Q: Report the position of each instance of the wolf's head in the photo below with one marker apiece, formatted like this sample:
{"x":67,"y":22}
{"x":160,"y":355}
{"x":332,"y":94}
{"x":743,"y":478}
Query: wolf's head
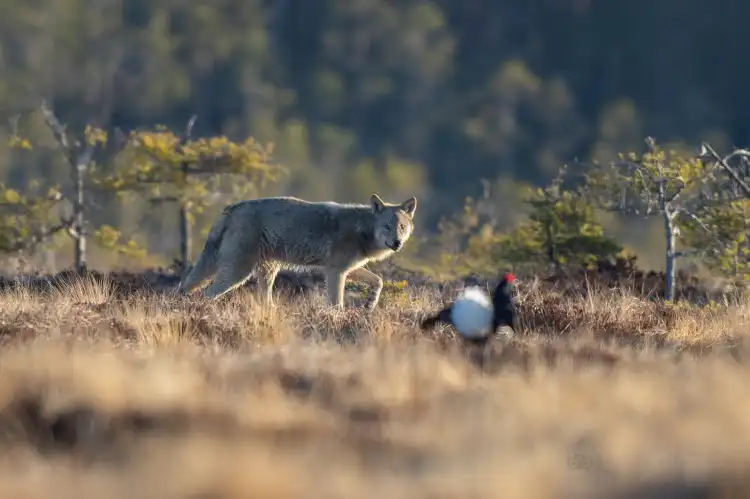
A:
{"x":393,"y":222}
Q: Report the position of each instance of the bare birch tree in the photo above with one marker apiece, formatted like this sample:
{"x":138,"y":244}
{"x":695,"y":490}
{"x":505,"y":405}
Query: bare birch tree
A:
{"x":671,"y":185}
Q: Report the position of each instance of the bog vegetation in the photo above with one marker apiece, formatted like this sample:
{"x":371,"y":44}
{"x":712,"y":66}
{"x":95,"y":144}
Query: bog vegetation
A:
{"x":521,"y":128}
{"x":425,"y":96}
{"x":701,"y":198}
{"x":106,"y":390}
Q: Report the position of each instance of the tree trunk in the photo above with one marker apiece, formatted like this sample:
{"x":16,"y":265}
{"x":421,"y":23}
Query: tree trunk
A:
{"x":185,"y":235}
{"x":669,"y":234}
{"x":551,"y":249}
{"x":80,"y":239}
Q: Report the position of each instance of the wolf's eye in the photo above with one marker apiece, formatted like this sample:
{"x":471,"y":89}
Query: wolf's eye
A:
{"x":401,"y":226}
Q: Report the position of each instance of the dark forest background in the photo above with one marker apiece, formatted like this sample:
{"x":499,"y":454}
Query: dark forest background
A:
{"x":399,"y":97}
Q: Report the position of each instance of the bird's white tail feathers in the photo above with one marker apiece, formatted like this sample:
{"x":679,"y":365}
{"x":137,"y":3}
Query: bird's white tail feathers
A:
{"x":472,"y":313}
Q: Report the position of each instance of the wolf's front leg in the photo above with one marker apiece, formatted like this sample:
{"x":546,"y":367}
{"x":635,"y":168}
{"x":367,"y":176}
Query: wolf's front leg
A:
{"x":335,"y":280}
{"x":375,"y":282}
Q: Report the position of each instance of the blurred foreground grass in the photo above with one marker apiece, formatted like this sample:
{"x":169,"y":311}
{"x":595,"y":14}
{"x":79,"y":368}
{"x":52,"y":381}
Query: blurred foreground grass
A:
{"x":153,"y":396}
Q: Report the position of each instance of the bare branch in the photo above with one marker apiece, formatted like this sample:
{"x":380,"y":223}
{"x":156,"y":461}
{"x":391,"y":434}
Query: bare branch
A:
{"x":121,"y":138}
{"x":164,"y":199}
{"x":210,"y":167}
{"x":707,"y":152}
{"x":13,"y":121}
{"x":635,"y":166}
{"x":627,"y":210}
{"x":57,"y":128}
{"x":699,"y":182}
{"x":81,"y":161}
{"x":30,"y":243}
{"x":84,"y":159}
{"x":692,"y":252}
{"x":201,"y":164}
{"x":702,"y":204}
{"x":186,"y":136}
{"x":142,"y":179}
{"x":189,"y":128}
{"x":693,"y":216}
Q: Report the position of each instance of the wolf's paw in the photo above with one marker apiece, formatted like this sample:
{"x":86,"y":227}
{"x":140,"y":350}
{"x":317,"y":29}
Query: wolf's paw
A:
{"x":370,"y":305}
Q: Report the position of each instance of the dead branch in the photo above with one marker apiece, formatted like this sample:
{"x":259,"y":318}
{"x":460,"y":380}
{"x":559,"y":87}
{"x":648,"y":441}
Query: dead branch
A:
{"x":692,"y":252}
{"x":164,"y":199}
{"x":78,"y":161}
{"x":58,"y":130}
{"x":189,"y":128}
{"x":30,"y":243}
{"x":708,"y":153}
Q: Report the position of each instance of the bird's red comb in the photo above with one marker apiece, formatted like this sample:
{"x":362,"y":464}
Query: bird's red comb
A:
{"x":509,"y":277}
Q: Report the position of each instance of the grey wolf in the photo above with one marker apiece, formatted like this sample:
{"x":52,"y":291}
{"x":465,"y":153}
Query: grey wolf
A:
{"x":268,"y":234}
{"x":474,"y":316}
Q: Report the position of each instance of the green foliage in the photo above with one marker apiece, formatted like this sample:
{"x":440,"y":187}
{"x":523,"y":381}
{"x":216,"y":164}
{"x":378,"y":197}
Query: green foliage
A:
{"x":461,"y":245}
{"x":109,"y":238}
{"x":722,"y":231}
{"x":17,"y":142}
{"x":395,"y":292}
{"x":649,"y":183}
{"x":95,"y":136}
{"x":158,"y":163}
{"x":561,"y":231}
{"x":696,"y":209}
{"x":438,"y":84}
{"x":25,"y":218}
{"x":189,"y":172}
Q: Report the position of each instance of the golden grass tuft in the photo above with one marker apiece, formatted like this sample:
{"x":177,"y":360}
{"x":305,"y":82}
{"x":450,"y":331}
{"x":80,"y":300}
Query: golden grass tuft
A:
{"x":603,"y":394}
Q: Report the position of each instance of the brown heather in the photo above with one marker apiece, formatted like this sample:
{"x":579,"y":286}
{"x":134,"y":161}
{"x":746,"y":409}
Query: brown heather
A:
{"x":152,"y":396}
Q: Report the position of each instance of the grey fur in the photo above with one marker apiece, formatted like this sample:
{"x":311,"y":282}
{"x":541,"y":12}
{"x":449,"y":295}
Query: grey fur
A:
{"x":266,"y":235}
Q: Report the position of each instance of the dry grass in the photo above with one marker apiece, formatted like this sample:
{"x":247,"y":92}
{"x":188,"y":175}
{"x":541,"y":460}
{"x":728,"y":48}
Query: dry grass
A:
{"x":164,"y":397}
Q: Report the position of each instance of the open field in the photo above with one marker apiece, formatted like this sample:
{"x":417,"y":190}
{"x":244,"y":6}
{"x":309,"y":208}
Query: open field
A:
{"x":148,"y":395}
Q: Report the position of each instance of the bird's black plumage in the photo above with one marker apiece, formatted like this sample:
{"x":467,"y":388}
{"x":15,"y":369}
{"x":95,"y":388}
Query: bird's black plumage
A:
{"x":504,"y":313}
{"x":443,"y":316}
{"x":504,"y":305}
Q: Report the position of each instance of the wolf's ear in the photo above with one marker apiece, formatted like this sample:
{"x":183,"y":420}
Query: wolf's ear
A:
{"x":377,"y":203}
{"x":410,"y":206}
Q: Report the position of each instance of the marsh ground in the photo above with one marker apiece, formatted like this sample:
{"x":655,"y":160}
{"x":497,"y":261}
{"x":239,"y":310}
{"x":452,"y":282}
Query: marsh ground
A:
{"x":153,"y":396}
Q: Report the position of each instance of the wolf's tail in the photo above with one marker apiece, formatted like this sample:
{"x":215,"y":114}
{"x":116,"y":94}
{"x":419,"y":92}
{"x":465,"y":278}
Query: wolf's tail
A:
{"x":206,"y":263}
{"x":213,"y":241}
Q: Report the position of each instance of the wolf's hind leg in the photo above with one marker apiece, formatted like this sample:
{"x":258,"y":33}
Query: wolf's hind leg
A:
{"x":234,"y":268}
{"x":228,"y":279}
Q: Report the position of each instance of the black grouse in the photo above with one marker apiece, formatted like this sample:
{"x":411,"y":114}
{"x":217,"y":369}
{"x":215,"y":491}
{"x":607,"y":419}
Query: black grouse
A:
{"x":503,"y":311}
